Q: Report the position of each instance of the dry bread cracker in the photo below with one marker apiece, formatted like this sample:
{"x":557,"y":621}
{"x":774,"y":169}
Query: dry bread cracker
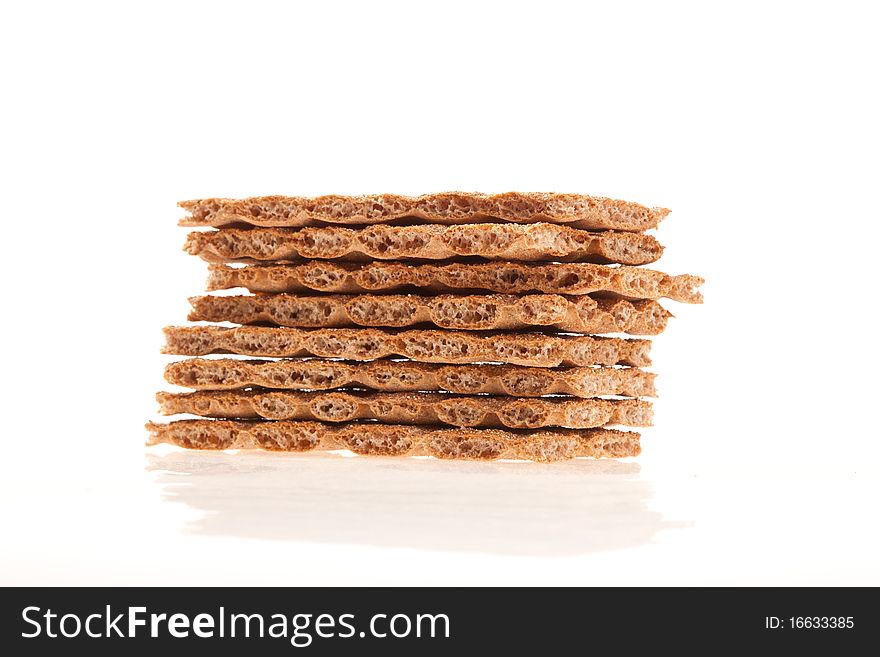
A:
{"x":330,"y":277}
{"x":578,"y":210}
{"x":397,"y":440}
{"x":410,"y":408}
{"x":401,"y":376}
{"x":580,"y":314}
{"x":532,"y":242}
{"x":500,"y":277}
{"x":427,"y":346}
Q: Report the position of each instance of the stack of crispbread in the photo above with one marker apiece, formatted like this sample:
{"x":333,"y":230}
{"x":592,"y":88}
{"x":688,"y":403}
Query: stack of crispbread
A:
{"x":453,"y":325}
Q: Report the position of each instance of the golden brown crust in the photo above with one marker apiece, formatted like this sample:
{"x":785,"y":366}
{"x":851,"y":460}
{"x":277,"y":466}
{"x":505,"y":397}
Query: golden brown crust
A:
{"x":425,"y":346}
{"x":499,"y":277}
{"x":395,"y":376}
{"x":578,"y":314}
{"x":532,"y":242}
{"x":410,"y":408}
{"x":330,"y":278}
{"x":582,"y":211}
{"x":397,"y":440}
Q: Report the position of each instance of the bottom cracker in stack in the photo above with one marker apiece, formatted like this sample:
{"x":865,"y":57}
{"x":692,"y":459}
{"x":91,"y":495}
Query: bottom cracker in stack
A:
{"x":397,"y":440}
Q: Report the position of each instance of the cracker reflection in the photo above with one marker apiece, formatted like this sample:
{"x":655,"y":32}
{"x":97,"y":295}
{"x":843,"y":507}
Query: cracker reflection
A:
{"x":566,"y":508}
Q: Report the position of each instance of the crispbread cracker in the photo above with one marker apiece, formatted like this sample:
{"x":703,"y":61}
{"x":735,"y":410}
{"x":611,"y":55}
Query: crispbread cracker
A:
{"x":500,"y":277}
{"x":445,"y":208}
{"x":455,"y":347}
{"x":532,"y":242}
{"x":397,"y":440}
{"x":580,"y":314}
{"x":410,"y":408}
{"x":402,"y":376}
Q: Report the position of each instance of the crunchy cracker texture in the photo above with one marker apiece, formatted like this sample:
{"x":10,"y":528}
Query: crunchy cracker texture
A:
{"x":397,"y":440}
{"x":500,"y":277}
{"x":532,"y":242}
{"x":453,"y":325}
{"x":579,"y":314}
{"x":454,"y":347}
{"x":393,"y":376}
{"x":410,"y":408}
{"x":593,"y":212}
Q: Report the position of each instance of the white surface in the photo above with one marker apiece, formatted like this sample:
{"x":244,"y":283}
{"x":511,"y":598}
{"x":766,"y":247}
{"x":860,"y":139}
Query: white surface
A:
{"x":757,"y":125}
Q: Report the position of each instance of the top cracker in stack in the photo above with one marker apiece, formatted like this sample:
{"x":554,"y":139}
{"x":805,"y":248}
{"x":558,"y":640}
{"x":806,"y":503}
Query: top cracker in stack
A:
{"x":446,"y":208}
{"x":480,"y":293}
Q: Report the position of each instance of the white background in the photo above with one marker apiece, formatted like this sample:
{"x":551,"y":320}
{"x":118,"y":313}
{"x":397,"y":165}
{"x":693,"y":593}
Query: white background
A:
{"x":757,"y":124}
